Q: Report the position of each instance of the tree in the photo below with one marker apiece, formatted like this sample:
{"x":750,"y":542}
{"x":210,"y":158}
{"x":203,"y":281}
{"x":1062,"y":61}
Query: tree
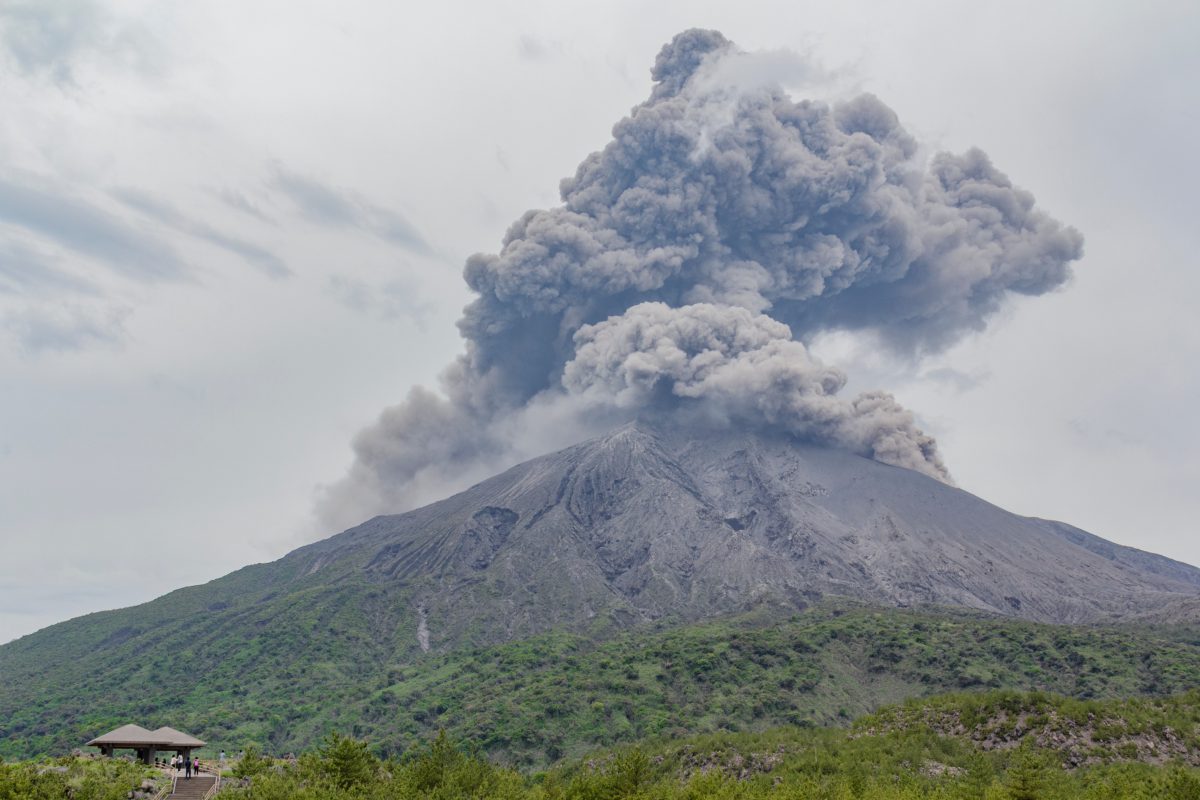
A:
{"x":978,"y":779}
{"x":431,"y":768}
{"x":251,"y":763}
{"x":1183,"y":784}
{"x":1027,"y":774}
{"x":347,"y":762}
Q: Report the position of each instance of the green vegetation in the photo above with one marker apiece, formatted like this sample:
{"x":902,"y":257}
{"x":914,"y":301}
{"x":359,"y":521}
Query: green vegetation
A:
{"x":969,"y":746}
{"x":891,"y":755}
{"x":75,"y":778}
{"x":280,"y":668}
{"x":1004,"y":717}
{"x":556,"y":696}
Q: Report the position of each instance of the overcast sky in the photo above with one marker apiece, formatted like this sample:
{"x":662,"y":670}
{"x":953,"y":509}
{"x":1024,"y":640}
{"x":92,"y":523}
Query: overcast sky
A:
{"x":231,"y":233}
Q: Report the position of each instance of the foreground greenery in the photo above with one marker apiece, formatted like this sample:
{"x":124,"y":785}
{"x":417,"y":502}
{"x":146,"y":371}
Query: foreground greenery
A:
{"x":981,"y":746}
{"x":535,"y":702}
{"x":75,"y":778}
{"x":986,"y":746}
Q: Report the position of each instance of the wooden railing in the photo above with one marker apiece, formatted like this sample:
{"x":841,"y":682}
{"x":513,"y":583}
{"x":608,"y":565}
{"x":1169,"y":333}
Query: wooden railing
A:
{"x":168,"y":789}
{"x":216,"y":787}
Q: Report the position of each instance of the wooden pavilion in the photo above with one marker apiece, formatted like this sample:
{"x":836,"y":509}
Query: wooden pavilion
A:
{"x":147,"y":744}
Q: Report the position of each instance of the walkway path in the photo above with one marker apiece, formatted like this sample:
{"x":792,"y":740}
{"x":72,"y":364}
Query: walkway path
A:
{"x":193,"y":788}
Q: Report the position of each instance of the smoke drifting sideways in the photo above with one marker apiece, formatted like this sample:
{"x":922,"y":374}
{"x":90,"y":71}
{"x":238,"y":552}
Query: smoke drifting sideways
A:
{"x":723,"y":226}
{"x":746,"y":369}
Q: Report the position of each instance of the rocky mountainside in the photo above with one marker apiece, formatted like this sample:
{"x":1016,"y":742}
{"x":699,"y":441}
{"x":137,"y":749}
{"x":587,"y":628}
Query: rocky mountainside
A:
{"x":651,"y":523}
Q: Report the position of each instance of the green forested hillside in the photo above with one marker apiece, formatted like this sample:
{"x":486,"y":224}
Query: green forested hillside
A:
{"x":978,"y":746}
{"x":554,"y":696}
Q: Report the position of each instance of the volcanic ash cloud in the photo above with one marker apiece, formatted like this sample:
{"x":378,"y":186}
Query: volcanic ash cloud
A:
{"x":723,"y":225}
{"x":747,"y":368}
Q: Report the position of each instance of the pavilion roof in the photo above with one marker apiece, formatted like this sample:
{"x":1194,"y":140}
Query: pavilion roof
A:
{"x":126,"y":734}
{"x":178,"y":737}
{"x":137,"y":736}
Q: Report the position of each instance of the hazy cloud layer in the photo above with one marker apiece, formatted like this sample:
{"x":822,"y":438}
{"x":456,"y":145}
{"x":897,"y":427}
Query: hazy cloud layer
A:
{"x":89,"y":230}
{"x":165,"y":213}
{"x":239,"y":201}
{"x":391,"y":300}
{"x":50,"y":38}
{"x":28,"y":273}
{"x":65,"y":327}
{"x":327,"y":206}
{"x":721,"y":194}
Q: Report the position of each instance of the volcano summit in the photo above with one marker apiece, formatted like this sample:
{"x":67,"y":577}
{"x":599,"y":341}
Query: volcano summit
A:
{"x":652,"y":522}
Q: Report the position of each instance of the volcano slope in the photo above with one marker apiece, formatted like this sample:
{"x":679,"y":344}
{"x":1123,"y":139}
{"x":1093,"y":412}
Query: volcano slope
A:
{"x":651,"y":522}
{"x":649,"y":525}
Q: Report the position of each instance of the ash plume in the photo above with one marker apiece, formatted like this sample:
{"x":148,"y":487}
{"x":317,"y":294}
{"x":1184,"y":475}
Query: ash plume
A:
{"x":745,"y":367}
{"x":722,"y":213}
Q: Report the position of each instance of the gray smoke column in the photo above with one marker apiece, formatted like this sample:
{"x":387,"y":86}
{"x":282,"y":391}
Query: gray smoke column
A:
{"x":719,"y":200}
{"x":745,"y":367}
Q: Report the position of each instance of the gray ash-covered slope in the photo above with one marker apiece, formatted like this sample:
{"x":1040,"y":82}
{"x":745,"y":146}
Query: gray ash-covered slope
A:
{"x":652,"y":523}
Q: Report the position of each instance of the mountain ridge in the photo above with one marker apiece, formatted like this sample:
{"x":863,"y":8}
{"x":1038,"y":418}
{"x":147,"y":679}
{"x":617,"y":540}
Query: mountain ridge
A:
{"x":589,"y":485}
{"x":651,"y":525}
{"x":735,"y":520}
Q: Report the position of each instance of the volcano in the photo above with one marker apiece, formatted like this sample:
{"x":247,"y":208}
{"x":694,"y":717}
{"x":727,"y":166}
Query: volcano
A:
{"x":654,"y":522}
{"x":651,"y":527}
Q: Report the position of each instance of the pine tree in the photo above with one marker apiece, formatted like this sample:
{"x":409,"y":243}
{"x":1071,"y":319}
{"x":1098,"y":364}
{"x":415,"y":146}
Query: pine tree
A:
{"x":1027,"y":774}
{"x":347,"y":762}
{"x":1183,"y":784}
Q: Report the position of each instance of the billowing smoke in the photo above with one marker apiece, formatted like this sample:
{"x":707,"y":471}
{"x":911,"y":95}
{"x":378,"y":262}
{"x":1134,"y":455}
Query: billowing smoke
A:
{"x":721,"y":221}
{"x":745,"y":367}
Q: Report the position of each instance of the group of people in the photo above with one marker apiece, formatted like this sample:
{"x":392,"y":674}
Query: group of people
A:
{"x":186,"y":765}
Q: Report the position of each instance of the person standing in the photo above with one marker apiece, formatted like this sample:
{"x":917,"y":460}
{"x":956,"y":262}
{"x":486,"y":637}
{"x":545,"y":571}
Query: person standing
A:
{"x":187,"y":767}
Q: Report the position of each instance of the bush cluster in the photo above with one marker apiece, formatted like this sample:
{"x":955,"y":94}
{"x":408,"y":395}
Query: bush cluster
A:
{"x":73,"y":778}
